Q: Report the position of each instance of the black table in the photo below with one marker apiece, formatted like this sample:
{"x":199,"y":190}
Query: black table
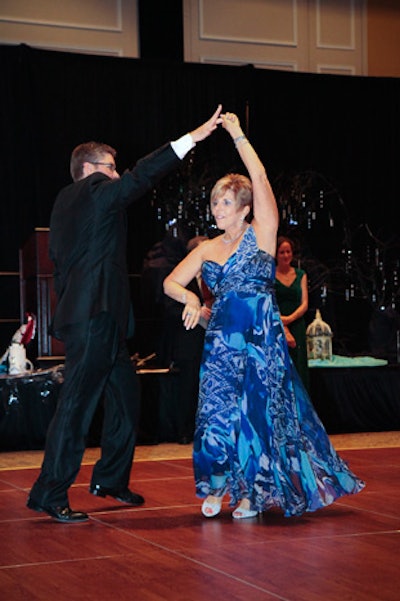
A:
{"x":357,"y":399}
{"x":28,"y":402}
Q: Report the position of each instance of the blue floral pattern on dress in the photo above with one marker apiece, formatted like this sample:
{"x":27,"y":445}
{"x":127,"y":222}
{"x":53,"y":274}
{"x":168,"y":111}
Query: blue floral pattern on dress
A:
{"x":257,"y":433}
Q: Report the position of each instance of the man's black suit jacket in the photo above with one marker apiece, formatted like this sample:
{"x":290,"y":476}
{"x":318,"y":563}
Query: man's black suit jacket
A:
{"x":88,"y":242}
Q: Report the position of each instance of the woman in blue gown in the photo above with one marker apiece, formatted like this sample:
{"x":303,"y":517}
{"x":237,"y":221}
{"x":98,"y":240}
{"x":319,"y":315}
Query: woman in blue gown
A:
{"x":258,"y":438}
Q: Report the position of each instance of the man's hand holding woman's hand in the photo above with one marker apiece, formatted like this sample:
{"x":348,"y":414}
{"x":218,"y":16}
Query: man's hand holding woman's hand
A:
{"x":208,"y":127}
{"x":229,"y":121}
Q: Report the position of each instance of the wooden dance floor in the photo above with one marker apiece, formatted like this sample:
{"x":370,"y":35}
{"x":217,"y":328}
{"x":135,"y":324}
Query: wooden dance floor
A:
{"x":166,"y":550}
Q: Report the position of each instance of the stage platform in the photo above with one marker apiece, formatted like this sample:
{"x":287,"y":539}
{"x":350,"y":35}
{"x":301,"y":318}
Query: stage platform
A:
{"x":347,"y":399}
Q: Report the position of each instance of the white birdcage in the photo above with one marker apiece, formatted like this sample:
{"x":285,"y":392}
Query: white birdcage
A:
{"x":319,"y":339}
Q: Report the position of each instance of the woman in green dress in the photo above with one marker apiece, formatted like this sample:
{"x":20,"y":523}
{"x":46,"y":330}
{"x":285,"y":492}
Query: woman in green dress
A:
{"x":291,"y":288}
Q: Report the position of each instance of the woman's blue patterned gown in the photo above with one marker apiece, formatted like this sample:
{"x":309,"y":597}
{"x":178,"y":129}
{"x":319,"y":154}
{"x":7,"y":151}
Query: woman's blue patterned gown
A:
{"x":257,"y":433}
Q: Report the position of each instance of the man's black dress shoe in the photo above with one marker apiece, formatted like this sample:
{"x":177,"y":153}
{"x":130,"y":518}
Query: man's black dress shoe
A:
{"x":124,"y":495}
{"x":61,"y":514}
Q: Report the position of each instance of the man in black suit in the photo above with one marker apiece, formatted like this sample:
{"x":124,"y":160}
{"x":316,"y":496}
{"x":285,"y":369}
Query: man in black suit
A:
{"x":93,"y":318}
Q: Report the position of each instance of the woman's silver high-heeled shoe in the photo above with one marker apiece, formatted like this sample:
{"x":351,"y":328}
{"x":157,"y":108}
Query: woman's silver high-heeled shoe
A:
{"x":209,"y":510}
{"x":240,"y":514}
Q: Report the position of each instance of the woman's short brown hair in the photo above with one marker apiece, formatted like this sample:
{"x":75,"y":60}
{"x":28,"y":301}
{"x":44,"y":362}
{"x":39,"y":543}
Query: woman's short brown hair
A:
{"x":240,"y":185}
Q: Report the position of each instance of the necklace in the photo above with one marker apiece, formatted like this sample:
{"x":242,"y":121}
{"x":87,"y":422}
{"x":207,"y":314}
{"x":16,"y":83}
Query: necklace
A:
{"x":236,"y":237}
{"x":286,"y":277}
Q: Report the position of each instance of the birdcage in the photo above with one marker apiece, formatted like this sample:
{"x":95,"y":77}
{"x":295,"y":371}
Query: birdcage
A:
{"x":319,"y":339}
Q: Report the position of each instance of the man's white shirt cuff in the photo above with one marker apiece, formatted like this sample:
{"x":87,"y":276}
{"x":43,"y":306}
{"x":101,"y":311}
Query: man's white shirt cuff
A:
{"x":182,"y":146}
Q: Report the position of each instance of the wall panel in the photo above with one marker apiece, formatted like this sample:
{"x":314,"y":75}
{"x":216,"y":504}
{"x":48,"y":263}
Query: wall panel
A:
{"x":337,"y":37}
{"x":106,"y":27}
{"x":325,"y":36}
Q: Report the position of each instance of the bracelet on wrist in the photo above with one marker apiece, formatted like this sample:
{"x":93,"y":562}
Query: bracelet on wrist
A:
{"x":240,"y":140}
{"x":184,"y":298}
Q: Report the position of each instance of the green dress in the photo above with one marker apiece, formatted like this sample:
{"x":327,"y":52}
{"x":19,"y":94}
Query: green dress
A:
{"x":288,"y":299}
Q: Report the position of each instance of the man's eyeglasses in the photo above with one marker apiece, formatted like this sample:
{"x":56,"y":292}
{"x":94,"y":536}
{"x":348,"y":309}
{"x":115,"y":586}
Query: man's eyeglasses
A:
{"x":110,"y":166}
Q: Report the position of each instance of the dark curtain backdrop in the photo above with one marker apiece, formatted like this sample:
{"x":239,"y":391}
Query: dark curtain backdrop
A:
{"x":346,"y":128}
